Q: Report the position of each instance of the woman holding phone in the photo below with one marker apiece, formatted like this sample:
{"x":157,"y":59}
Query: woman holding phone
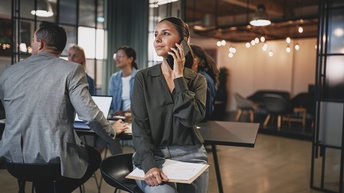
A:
{"x":166,"y":106}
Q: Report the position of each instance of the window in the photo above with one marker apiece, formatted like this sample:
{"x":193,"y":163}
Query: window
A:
{"x":83,"y":21}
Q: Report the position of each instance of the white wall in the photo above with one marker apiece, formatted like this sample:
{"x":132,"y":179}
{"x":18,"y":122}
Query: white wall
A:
{"x":252,"y":69}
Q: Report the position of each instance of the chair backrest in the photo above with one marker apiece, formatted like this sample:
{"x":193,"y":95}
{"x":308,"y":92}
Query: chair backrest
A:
{"x":276,"y":104}
{"x":115,"y":168}
{"x":305,"y":100}
{"x":243,"y":103}
{"x":34,"y":172}
{"x":258,"y":96}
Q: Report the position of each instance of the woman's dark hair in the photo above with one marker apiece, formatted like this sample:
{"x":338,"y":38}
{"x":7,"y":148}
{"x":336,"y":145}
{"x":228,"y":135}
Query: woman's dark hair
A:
{"x":130,"y":52}
{"x":206,"y":63}
{"x":183,"y":31}
{"x":53,"y":35}
{"x":181,"y":26}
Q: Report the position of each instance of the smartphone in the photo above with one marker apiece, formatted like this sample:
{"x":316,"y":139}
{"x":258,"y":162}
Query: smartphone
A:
{"x":186,"y":49}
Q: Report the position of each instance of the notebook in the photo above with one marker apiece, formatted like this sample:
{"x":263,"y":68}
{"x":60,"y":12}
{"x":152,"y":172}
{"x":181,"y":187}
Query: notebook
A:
{"x":103,"y":103}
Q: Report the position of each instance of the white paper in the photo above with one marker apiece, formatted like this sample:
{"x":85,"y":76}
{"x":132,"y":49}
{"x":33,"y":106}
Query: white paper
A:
{"x":175,"y":170}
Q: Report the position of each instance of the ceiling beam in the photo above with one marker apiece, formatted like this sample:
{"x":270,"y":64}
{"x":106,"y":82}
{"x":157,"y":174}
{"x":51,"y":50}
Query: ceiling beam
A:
{"x":272,"y":9}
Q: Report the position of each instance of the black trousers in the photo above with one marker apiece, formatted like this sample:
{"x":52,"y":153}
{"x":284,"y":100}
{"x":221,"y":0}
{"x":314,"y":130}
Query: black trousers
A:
{"x":66,"y":185}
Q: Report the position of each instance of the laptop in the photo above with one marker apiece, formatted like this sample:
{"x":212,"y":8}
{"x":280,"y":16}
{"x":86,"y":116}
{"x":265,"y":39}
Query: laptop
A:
{"x":103,"y":103}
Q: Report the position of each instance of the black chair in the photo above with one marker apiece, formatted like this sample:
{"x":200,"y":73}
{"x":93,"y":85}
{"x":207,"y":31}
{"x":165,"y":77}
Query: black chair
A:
{"x":115,"y":168}
{"x":278,"y":106}
{"x":244,"y":105}
{"x":35,"y":173}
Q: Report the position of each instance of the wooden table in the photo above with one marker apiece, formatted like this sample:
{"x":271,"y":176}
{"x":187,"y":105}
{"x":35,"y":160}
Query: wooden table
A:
{"x":230,"y":134}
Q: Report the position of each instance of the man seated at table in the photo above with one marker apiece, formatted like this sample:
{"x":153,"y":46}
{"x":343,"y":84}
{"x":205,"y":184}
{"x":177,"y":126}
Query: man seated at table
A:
{"x":40,"y":95}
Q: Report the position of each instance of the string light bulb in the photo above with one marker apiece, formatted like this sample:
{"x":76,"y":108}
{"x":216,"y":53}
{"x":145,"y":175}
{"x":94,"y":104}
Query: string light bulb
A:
{"x":297,"y":46}
{"x":288,"y":40}
{"x":262,"y":39}
{"x":287,"y":49}
{"x":300,"y":29}
{"x":256,"y":40}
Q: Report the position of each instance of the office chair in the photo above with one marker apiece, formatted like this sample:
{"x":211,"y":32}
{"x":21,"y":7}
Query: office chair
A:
{"x":46,"y":173}
{"x":115,"y":168}
{"x":244,"y":105}
{"x":278,"y":106}
{"x":305,"y":104}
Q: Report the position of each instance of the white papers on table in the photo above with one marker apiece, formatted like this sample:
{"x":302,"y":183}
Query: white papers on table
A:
{"x":176,"y":171}
{"x":129,"y":130}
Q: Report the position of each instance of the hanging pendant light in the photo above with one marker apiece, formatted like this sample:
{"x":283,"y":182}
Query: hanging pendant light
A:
{"x":43,"y":9}
{"x":260,"y":17}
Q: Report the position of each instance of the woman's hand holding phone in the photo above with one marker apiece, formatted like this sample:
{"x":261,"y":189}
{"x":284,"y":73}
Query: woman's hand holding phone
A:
{"x":176,"y":59}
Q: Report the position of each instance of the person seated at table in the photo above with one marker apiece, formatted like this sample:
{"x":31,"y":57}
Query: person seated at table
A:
{"x":121,"y":83}
{"x":166,"y":106}
{"x":41,"y":95}
{"x":205,"y":65}
{"x":77,"y":54}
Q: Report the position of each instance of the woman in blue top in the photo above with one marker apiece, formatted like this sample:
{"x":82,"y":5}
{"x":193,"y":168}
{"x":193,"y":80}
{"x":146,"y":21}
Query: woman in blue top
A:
{"x":206,"y":66}
{"x":122,"y":82}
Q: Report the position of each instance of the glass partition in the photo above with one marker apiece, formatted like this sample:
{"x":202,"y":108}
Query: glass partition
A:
{"x":68,"y":12}
{"x":78,"y":18}
{"x":158,"y":11}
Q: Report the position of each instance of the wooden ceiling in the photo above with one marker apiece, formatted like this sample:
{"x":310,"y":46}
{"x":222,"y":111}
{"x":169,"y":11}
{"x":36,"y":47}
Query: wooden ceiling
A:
{"x":229,"y":19}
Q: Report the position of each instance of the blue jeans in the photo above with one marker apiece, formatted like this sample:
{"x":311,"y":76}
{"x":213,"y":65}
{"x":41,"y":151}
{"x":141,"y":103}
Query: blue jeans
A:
{"x":193,"y":154}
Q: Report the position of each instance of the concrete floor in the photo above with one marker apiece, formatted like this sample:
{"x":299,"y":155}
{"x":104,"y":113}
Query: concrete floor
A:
{"x":274,"y":165}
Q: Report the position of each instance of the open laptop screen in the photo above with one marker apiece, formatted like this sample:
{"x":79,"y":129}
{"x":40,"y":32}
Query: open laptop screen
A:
{"x":103,"y":103}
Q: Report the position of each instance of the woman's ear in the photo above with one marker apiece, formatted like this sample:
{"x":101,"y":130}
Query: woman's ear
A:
{"x":131,"y":59}
{"x":187,"y":40}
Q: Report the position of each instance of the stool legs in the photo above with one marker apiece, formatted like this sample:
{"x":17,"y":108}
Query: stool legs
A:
{"x":21,"y":185}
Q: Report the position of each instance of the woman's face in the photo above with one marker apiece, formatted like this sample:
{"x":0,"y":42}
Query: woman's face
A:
{"x":166,"y":35}
{"x":76,"y":56}
{"x":122,"y":59}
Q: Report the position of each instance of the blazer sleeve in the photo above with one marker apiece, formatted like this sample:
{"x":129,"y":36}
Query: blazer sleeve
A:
{"x":86,"y":108}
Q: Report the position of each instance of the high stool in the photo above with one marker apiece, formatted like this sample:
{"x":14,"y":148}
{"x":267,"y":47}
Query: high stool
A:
{"x":115,"y":168}
{"x":35,"y":173}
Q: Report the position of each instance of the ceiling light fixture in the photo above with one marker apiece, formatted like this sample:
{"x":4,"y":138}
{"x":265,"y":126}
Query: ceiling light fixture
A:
{"x":221,"y":43}
{"x":157,"y":3}
{"x":288,"y":49}
{"x":262,"y":39}
{"x":300,"y":29}
{"x":288,"y":40}
{"x":297,"y":46}
{"x":260,"y":17}
{"x":43,"y":9}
